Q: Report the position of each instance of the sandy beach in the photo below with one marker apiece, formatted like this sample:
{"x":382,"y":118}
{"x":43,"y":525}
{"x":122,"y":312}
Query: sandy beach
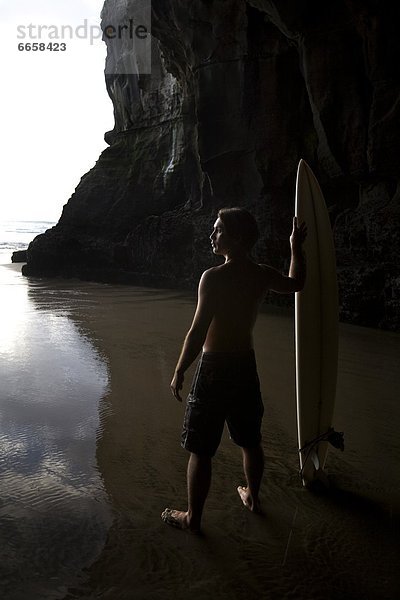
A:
{"x":340,"y":544}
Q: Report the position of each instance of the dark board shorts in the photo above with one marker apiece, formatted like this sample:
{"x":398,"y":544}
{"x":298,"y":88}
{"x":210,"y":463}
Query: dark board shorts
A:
{"x":225,"y":388}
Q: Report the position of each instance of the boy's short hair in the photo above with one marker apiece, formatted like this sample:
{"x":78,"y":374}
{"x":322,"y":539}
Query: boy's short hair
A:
{"x":240,"y":225}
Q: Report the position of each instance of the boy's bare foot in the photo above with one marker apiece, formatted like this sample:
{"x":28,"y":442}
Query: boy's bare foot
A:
{"x":245,"y":496}
{"x":179,"y":519}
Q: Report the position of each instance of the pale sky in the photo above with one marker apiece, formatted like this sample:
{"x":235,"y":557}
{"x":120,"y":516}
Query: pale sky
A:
{"x":54,"y":107}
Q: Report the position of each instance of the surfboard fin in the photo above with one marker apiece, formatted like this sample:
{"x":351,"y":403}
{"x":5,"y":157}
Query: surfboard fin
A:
{"x":315,"y":459}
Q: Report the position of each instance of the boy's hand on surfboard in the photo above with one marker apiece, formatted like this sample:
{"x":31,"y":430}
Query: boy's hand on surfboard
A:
{"x":177,"y":385}
{"x":298,"y":235}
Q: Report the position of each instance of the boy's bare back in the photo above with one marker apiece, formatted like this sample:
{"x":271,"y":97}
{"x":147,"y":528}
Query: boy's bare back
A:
{"x":237,"y":290}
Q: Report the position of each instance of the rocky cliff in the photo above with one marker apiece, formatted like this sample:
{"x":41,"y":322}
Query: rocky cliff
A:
{"x":238,"y":93}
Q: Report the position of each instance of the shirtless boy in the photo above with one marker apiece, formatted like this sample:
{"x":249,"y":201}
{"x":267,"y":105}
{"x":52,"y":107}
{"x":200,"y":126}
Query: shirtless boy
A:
{"x":225,"y":387}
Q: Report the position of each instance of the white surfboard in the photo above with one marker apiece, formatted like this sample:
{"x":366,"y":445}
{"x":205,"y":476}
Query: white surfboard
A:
{"x":316,"y":328}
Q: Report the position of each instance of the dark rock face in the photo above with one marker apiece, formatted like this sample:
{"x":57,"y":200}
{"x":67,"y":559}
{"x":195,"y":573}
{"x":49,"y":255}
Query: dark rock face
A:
{"x":239,"y":92}
{"x":19,"y":256}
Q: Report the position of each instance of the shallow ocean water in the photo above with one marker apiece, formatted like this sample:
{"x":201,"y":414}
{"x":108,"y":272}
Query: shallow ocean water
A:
{"x":90,"y":456}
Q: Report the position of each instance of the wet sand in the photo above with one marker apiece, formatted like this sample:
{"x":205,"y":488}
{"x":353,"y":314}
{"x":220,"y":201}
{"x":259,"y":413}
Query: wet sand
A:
{"x":340,"y":544}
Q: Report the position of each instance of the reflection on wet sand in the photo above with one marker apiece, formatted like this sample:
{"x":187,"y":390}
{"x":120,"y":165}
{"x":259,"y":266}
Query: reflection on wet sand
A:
{"x":342,"y":544}
{"x":53,"y":514}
